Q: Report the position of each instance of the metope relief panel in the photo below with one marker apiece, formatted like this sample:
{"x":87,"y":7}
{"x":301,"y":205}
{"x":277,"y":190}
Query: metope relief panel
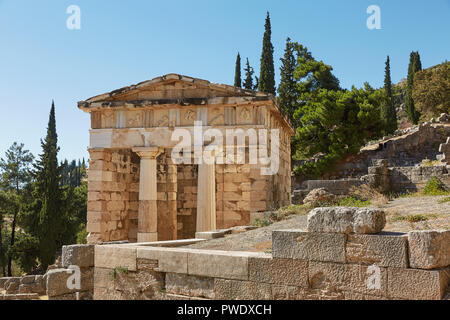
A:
{"x":188,"y":117}
{"x":134,"y":119}
{"x":245,"y":115}
{"x":216,"y":117}
{"x":108,"y":119}
{"x":161,"y":118}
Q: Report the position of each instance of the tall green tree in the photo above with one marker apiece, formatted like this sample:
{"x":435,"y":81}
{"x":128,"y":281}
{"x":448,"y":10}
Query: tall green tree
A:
{"x":287,"y":89}
{"x":46,"y":216}
{"x":15,"y":175}
{"x":334,"y":124}
{"x":237,"y":72}
{"x":248,"y":82}
{"x":388,"y":112}
{"x":267,"y":75}
{"x":414,"y":66}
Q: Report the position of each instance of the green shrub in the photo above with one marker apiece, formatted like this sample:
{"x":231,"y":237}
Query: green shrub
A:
{"x":410,"y":218}
{"x":434,"y":187}
{"x":352,"y":201}
{"x":262,"y":223}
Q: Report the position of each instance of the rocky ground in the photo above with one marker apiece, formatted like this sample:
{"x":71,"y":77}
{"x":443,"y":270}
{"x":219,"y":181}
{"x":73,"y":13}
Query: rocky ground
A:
{"x":398,"y":211}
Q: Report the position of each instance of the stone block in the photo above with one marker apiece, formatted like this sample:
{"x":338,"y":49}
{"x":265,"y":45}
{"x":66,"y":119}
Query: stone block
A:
{"x":111,"y":256}
{"x":80,"y":255}
{"x":282,"y":292}
{"x":169,"y":259}
{"x":12,"y":284}
{"x":59,"y":281}
{"x":209,"y":235}
{"x":219,"y":264}
{"x":3,"y":281}
{"x":334,"y":279}
{"x":277,"y":271}
{"x":225,"y":289}
{"x":298,"y":244}
{"x":189,"y":285}
{"x":27,"y":279}
{"x":385,"y":249}
{"x":103,"y":278}
{"x":346,"y":220}
{"x":21,"y":296}
{"x":429,"y":249}
{"x":416,"y":284}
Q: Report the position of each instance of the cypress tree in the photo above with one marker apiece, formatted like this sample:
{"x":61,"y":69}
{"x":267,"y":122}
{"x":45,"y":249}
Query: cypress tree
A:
{"x":388,"y":113}
{"x":48,"y":195}
{"x":237,"y":72}
{"x":267,"y":75}
{"x":414,"y":66}
{"x":287,"y":89}
{"x":248,"y":82}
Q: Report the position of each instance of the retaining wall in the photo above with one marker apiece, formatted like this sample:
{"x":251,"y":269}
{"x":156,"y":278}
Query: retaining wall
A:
{"x":303,"y":265}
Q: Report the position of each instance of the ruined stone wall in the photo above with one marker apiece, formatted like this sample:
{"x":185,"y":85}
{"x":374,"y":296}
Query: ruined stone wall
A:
{"x":58,"y":283}
{"x":415,"y":178}
{"x":403,"y":151}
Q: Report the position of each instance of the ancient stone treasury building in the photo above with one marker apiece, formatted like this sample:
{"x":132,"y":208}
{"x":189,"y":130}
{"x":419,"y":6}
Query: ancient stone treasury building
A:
{"x":175,"y":155}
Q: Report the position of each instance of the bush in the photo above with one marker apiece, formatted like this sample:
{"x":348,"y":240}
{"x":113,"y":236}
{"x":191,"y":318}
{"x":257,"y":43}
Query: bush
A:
{"x":352,"y":201}
{"x":409,"y":218}
{"x":434,"y":187}
{"x":262,"y":223}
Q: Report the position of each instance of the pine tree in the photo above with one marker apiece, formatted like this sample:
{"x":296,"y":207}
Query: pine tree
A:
{"x":267,"y":75}
{"x":237,"y":72}
{"x":414,"y":66}
{"x":15,"y":176}
{"x":248,"y":82}
{"x":287,"y":93}
{"x":388,"y":112}
{"x":48,"y":195}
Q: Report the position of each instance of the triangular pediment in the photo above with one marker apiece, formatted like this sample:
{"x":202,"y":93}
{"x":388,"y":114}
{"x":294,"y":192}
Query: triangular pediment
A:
{"x":173,"y":86}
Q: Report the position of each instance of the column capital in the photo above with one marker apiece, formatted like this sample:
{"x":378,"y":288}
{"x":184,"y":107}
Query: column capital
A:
{"x":148,"y":152}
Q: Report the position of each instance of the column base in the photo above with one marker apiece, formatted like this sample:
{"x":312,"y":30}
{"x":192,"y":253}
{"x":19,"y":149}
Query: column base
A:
{"x":147,"y":236}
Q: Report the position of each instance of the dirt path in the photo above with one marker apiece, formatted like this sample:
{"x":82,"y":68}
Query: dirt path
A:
{"x":437,"y":215}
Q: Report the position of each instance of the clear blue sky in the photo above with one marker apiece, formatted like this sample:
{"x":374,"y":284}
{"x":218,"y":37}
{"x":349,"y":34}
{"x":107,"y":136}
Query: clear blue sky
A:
{"x":125,"y":42}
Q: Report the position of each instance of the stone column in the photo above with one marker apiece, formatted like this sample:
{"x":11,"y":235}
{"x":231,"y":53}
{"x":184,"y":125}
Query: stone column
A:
{"x":206,"y":197}
{"x":148,"y":213}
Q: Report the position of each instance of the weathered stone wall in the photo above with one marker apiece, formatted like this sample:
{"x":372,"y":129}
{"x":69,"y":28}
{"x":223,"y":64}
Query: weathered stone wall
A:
{"x":349,"y":258}
{"x":54,"y":284}
{"x":338,"y":187}
{"x":383,"y":178}
{"x":415,"y":178}
{"x":113,"y":197}
{"x":65,"y":283}
{"x":28,"y":287}
{"x":403,"y":151}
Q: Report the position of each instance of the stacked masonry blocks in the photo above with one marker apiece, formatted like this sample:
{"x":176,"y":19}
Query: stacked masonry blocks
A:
{"x":113,"y":198}
{"x":342,"y":246}
{"x":345,"y":258}
{"x":61,"y":283}
{"x":243,"y":193}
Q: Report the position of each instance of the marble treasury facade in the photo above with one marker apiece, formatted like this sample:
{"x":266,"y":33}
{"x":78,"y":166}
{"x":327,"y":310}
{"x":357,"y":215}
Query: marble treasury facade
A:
{"x":176,"y":155}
